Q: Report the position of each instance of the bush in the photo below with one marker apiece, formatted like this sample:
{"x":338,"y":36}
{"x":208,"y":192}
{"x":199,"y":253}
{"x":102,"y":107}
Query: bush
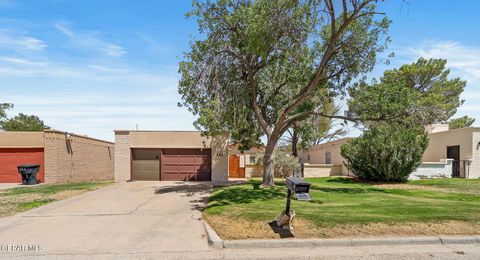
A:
{"x":385,"y":153}
{"x":285,"y":164}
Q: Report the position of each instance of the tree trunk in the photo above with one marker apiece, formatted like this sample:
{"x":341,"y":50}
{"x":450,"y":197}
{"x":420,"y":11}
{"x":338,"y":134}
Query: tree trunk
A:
{"x":294,"y":142}
{"x":268,"y":164}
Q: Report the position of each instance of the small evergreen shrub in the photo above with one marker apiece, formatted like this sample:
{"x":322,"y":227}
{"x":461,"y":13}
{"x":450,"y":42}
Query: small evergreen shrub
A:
{"x":388,"y":152}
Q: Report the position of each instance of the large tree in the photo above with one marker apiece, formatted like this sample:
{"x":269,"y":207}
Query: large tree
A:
{"x":262,"y":66}
{"x":421,"y":91}
{"x":23,"y":122}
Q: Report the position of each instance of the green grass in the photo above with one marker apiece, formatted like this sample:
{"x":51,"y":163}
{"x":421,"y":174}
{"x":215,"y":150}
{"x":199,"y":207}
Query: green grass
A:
{"x":461,"y":185}
{"x":20,"y":199}
{"x":47,"y":189}
{"x":344,"y":201}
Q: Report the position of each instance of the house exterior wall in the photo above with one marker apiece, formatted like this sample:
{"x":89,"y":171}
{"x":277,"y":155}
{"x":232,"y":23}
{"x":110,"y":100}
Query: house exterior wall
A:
{"x":436,"y":128}
{"x":122,"y":156}
{"x":438,"y":142}
{"x":85,"y":159}
{"x":11,"y":139}
{"x":251,"y":169}
{"x":473,"y":171}
{"x":125,"y":140}
{"x":432,"y":170}
{"x":316,"y":155}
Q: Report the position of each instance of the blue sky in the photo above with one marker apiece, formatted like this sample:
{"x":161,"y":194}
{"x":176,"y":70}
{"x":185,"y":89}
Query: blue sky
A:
{"x":94,"y":66}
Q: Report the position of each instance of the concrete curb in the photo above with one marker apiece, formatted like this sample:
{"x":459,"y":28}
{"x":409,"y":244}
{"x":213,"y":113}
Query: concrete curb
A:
{"x":215,"y":241}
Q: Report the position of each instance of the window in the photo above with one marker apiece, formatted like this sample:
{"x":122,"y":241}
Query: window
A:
{"x":328,"y":158}
{"x":253,"y":159}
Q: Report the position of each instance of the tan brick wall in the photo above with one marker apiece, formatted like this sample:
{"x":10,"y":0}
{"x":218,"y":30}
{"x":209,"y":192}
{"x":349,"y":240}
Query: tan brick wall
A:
{"x":122,"y":156}
{"x":85,"y":159}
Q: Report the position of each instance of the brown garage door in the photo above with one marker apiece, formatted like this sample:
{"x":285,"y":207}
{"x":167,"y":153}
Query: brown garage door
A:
{"x":186,"y":165}
{"x":10,"y":158}
{"x":146,"y":164}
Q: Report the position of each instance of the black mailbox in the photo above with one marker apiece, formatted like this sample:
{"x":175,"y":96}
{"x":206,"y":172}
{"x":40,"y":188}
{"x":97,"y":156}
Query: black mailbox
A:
{"x":299,"y":187}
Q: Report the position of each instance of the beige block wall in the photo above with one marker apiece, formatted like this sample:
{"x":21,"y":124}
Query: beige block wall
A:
{"x":122,"y":156}
{"x":321,"y":170}
{"x":474,"y":171}
{"x":88,"y":160}
{"x":125,"y":140}
{"x":12,"y":139}
{"x":438,"y":142}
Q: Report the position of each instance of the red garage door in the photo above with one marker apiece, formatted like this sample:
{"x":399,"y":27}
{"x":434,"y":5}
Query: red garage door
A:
{"x":11,"y":157}
{"x":186,"y":165}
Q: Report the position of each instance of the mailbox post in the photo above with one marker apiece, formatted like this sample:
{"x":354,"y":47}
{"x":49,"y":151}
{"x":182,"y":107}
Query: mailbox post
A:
{"x":300,"y":188}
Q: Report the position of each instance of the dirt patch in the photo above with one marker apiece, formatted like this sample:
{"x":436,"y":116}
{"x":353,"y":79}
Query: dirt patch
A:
{"x":231,"y":228}
{"x":67,"y":194}
{"x":422,"y":187}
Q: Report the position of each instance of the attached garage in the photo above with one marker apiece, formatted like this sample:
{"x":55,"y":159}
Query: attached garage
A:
{"x":170,"y":156}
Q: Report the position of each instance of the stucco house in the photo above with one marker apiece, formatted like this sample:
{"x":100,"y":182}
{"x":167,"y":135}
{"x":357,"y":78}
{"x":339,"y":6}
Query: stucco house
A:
{"x":170,"y":156}
{"x":244,"y":164}
{"x":63,"y":157}
{"x":450,"y":153}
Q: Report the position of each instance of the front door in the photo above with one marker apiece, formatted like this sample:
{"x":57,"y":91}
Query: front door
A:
{"x":234,"y":170}
{"x":453,"y":152}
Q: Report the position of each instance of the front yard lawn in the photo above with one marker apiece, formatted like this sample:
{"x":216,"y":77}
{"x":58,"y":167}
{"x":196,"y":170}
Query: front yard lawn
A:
{"x":344,"y":207}
{"x":20,"y":199}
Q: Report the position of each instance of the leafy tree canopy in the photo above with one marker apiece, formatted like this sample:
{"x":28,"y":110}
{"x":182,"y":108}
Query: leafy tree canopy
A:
{"x":23,"y":122}
{"x":420,"y":91}
{"x":3,"y":110}
{"x":264,"y":65}
{"x":461,"y":122}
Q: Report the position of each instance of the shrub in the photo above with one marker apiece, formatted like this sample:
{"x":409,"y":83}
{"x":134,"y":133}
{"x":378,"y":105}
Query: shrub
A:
{"x":387,"y":152}
{"x":285,"y":164}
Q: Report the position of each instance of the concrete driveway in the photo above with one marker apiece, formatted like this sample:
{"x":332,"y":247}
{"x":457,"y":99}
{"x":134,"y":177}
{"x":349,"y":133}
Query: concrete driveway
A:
{"x":126,"y":218}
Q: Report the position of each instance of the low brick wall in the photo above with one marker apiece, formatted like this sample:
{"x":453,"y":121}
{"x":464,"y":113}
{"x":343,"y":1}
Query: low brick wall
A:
{"x":432,"y":170}
{"x":321,"y":170}
{"x":75,"y":158}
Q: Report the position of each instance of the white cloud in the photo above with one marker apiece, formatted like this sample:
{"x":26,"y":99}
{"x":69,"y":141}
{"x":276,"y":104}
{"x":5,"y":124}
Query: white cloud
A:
{"x":463,"y":60}
{"x":90,"y":40}
{"x":20,"y":61}
{"x":16,"y":41}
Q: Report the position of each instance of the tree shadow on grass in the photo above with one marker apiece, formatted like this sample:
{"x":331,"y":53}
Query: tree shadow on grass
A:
{"x":199,"y":192}
{"x":245,"y":194}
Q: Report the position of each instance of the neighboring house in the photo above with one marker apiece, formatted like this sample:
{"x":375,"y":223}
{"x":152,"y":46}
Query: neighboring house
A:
{"x":63,"y":157}
{"x":170,"y":156}
{"x":450,"y":153}
{"x":244,"y":164}
{"x":461,"y":145}
{"x":324,"y":160}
